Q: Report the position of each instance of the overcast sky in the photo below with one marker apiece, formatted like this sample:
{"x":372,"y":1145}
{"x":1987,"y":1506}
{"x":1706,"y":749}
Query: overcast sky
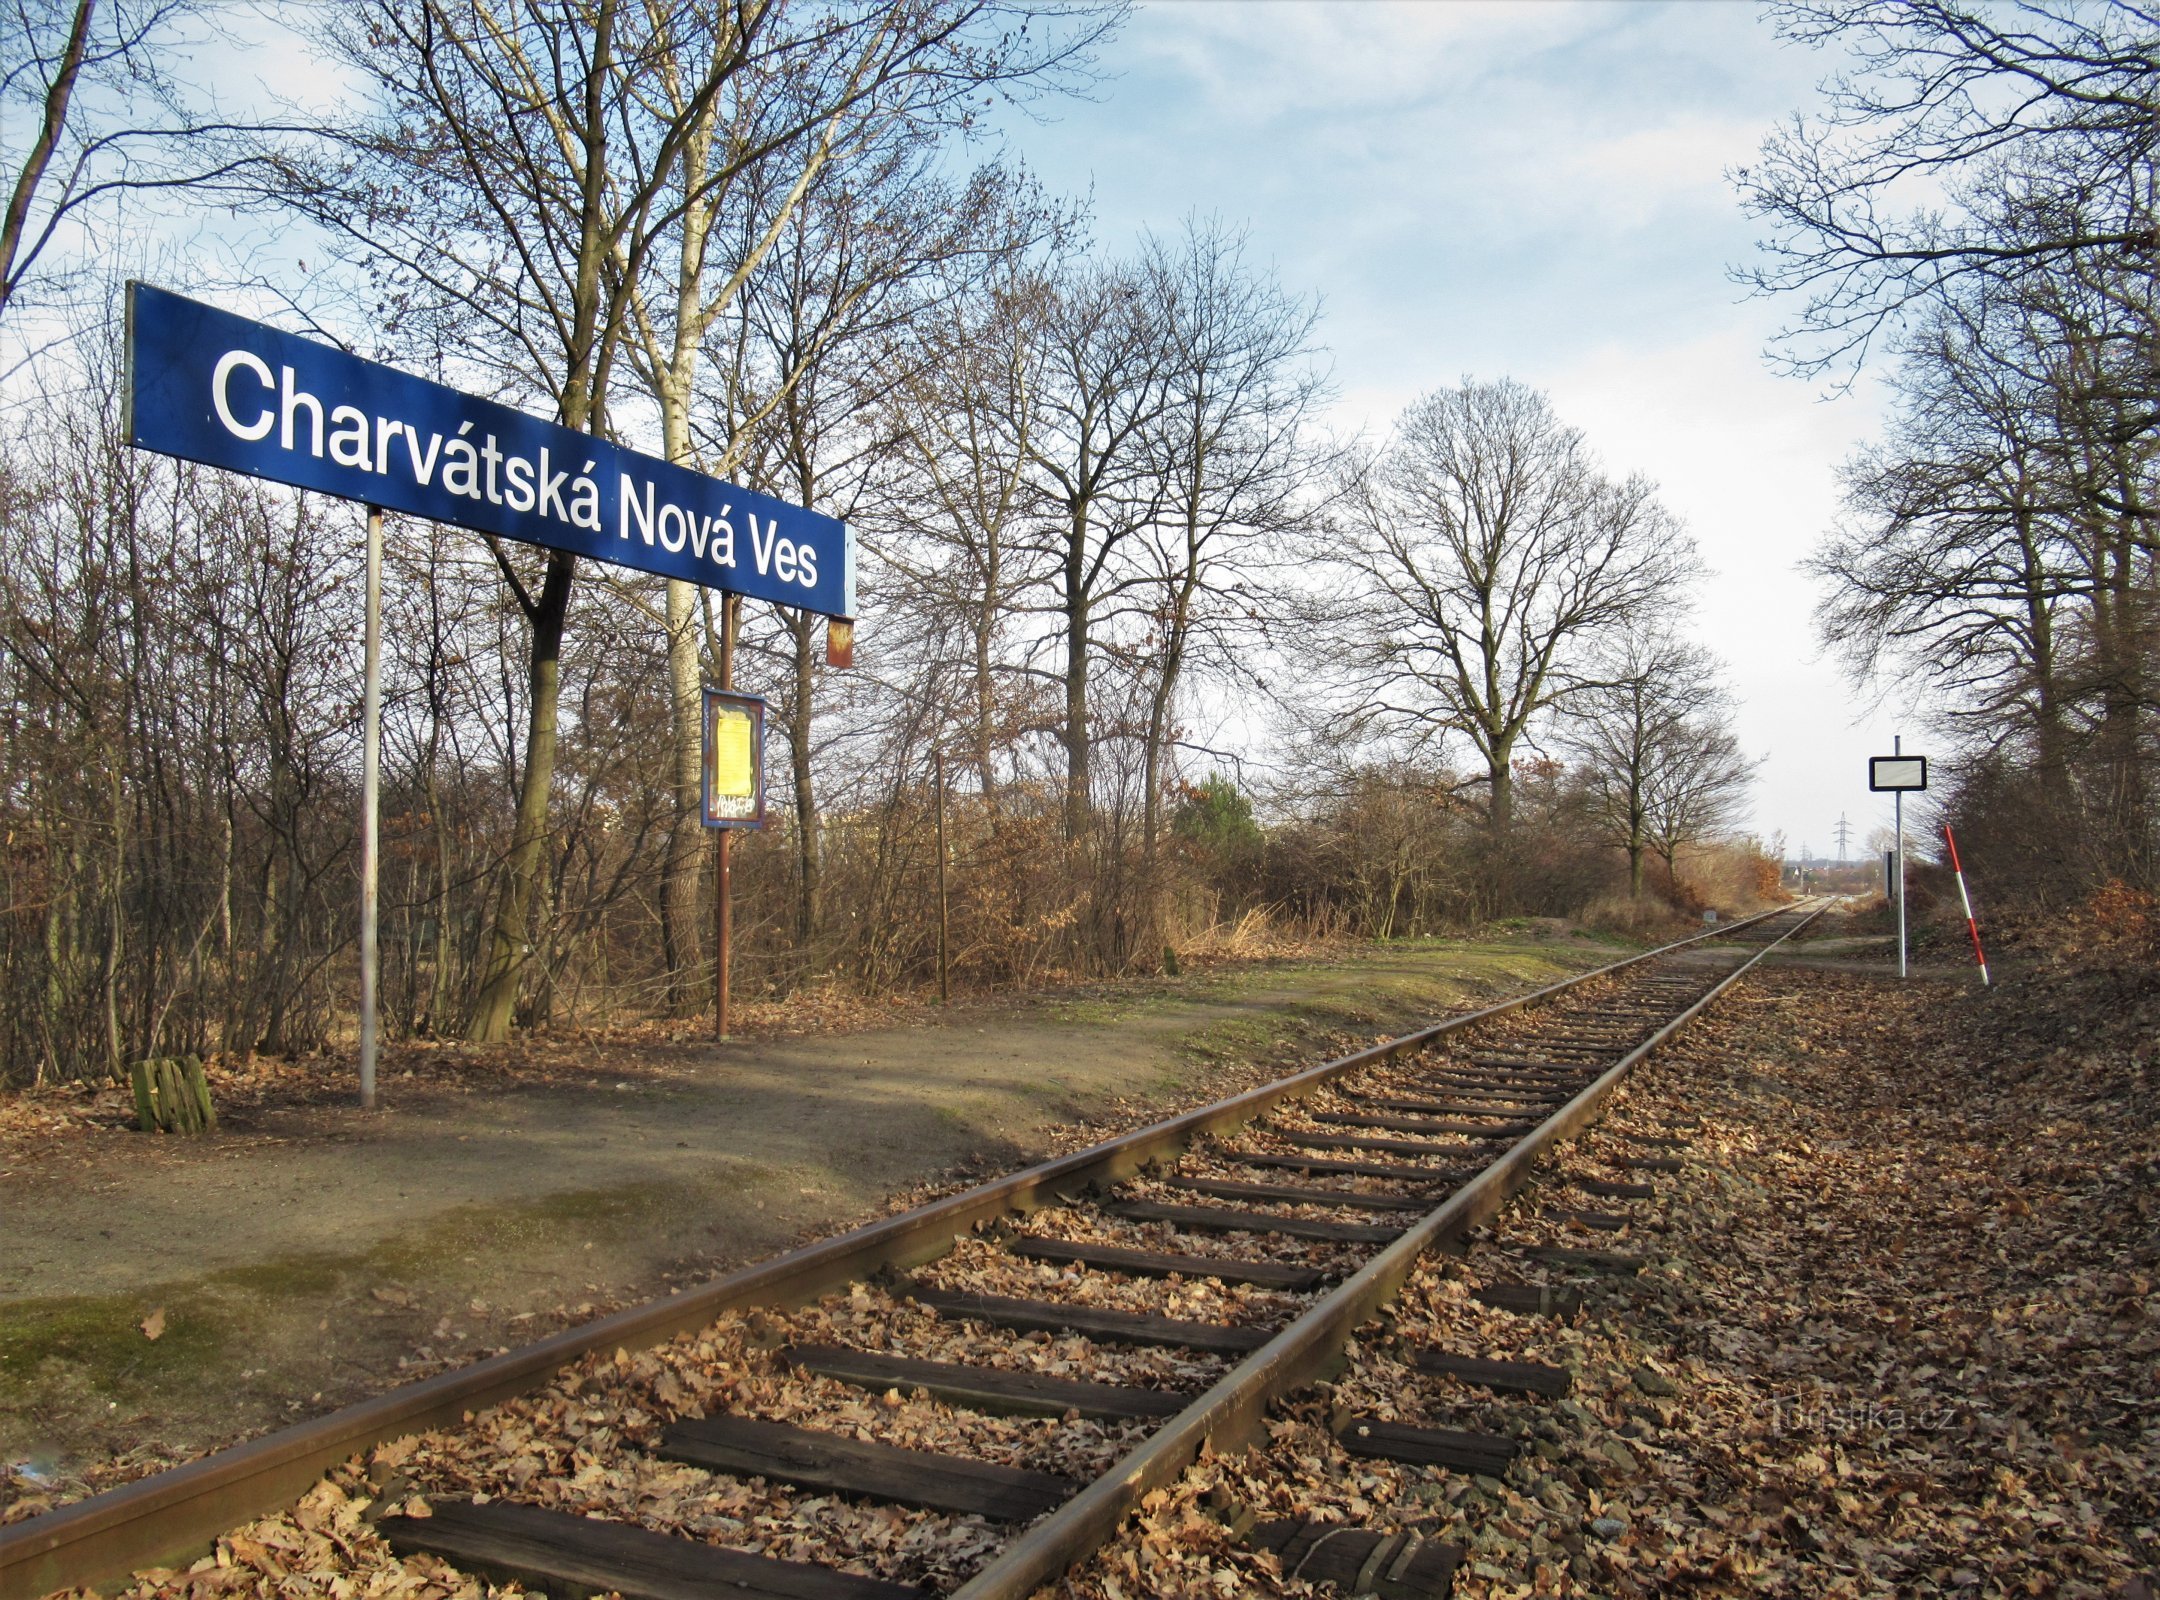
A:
{"x":1535,"y":190}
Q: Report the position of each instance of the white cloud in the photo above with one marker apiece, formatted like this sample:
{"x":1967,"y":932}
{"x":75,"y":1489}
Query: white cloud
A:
{"x":1534,"y":190}
{"x":1265,"y":59}
{"x":1749,"y":461}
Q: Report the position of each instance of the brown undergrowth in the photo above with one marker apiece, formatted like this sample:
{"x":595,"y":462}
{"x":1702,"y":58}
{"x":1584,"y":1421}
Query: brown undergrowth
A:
{"x":249,"y":1087}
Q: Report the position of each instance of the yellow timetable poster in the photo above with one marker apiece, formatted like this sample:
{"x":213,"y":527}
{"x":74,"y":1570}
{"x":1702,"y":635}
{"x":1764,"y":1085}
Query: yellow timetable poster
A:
{"x":733,"y":779}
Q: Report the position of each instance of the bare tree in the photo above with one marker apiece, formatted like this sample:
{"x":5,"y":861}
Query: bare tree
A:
{"x":163,"y":634}
{"x":528,"y":171}
{"x":1243,"y":388}
{"x":952,"y":525}
{"x":92,"y":84}
{"x":1235,"y":461}
{"x":1997,"y":543}
{"x":1483,"y":557}
{"x":1948,"y":562}
{"x":1106,"y":387}
{"x":1698,"y":786}
{"x":513,"y":182}
{"x":827,"y":321}
{"x":1980,"y":199}
{"x":1885,"y":201}
{"x":846,"y":110}
{"x":1627,"y":728}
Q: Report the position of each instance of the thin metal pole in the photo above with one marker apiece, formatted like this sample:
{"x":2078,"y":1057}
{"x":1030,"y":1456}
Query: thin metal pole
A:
{"x":1897,"y":747}
{"x":723,"y":894}
{"x":370,"y":799}
{"x":944,"y":989}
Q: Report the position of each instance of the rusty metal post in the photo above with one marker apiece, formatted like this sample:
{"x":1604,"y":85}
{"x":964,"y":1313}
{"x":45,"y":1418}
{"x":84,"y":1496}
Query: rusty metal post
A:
{"x":944,"y":988}
{"x":723,"y":894}
{"x":722,"y":930}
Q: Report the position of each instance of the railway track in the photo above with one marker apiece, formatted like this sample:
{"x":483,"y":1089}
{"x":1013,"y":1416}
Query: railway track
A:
{"x":971,"y":1397}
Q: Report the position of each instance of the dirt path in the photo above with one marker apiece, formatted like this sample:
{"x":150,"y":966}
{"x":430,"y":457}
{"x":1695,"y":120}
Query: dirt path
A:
{"x":308,"y":1256}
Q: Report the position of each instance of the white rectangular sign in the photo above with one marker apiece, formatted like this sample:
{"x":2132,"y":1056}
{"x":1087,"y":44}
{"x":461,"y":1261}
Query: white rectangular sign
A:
{"x":1897,"y":772}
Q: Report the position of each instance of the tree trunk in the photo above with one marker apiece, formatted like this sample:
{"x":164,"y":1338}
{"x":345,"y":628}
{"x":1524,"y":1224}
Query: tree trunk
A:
{"x":438,"y":1013}
{"x":503,"y":959}
{"x":985,"y":631}
{"x":1160,"y":704}
{"x":681,"y":891}
{"x":587,"y":355}
{"x":674,"y":381}
{"x":2122,"y":713}
{"x":115,"y":928}
{"x":1077,"y":800}
{"x":1500,"y":806}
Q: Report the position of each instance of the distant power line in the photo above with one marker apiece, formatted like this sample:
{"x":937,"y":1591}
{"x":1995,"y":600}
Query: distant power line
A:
{"x":1844,"y":836}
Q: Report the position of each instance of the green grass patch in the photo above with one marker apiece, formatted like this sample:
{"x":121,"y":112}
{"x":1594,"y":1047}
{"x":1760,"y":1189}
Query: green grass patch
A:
{"x":1237,"y":1038}
{"x":1395,"y":986}
{"x":289,"y":1277}
{"x":96,"y":1343}
{"x":97,"y":1340}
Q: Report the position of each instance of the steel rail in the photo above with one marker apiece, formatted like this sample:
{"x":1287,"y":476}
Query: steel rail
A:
{"x":1230,"y":1413}
{"x":174,"y":1516}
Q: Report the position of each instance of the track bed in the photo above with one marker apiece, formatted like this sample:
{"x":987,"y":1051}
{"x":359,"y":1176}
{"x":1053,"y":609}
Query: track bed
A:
{"x":980,"y":1393}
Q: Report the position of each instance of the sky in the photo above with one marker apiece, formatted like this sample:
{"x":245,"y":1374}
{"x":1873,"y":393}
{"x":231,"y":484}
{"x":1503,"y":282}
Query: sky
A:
{"x":1535,"y":190}
{"x":1529,"y":188}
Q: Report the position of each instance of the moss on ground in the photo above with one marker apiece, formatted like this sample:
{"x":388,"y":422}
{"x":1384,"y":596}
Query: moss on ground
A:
{"x":80,"y":1349}
{"x":97,"y":1343}
{"x":1399,"y":985}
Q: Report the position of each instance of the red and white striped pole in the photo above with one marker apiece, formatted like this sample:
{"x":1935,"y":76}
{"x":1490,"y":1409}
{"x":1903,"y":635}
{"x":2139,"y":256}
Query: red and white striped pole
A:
{"x":1971,"y":926}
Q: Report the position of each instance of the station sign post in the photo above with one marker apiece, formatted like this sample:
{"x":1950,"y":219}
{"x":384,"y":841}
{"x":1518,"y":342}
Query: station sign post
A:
{"x":208,"y":386}
{"x":733,"y":797}
{"x":1898,"y":774}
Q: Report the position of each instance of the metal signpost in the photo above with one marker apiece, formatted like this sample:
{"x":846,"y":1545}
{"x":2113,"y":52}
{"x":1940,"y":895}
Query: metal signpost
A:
{"x":370,"y":801}
{"x":208,"y":386}
{"x":1899,"y":775}
{"x":734,"y":797}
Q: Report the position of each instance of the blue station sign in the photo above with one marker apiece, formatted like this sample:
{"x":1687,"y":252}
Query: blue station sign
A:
{"x":208,"y":386}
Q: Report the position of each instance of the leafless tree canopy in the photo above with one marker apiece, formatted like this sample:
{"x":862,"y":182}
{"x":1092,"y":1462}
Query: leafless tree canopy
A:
{"x":96,"y":125}
{"x":1112,"y":564}
{"x":1978,"y":206}
{"x":1640,"y":731}
{"x":1954,"y":120}
{"x":1485,"y":558}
